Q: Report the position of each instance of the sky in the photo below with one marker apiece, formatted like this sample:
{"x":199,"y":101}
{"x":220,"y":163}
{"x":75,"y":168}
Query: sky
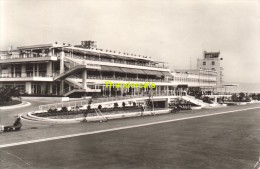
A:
{"x":173,"y":31}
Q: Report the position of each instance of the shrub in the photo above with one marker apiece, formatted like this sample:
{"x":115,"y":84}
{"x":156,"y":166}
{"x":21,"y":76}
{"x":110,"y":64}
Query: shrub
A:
{"x":85,"y":113}
{"x":148,"y":102}
{"x":90,"y":101}
{"x":99,"y":107}
{"x":64,"y":109}
{"x":115,"y":105}
{"x":52,"y":111}
{"x":89,"y":107}
{"x":123,"y":104}
{"x":134,"y":104}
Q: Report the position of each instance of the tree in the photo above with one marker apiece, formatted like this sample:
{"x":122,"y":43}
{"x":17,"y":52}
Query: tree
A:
{"x":234,"y":97}
{"x":241,"y":96}
{"x":258,"y":96}
{"x":6,"y":93}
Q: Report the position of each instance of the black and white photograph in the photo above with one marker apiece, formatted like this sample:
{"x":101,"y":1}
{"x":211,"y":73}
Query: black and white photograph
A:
{"x":129,"y":84}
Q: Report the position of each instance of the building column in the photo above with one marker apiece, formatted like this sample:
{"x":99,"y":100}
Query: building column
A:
{"x":28,"y":87}
{"x":33,"y":73}
{"x":103,"y":90}
{"x":49,"y":69}
{"x":61,"y":87}
{"x":43,"y":88}
{"x":50,"y":52}
{"x":9,"y":71}
{"x":62,"y":61}
{"x":23,"y":71}
{"x":167,"y":103}
{"x":37,"y":71}
{"x":14,"y":70}
{"x":50,"y":91}
{"x":84,"y":79}
{"x":114,"y":75}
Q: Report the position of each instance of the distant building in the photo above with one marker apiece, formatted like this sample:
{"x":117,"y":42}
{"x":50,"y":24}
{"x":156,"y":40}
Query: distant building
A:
{"x":211,"y":61}
{"x":196,"y":79}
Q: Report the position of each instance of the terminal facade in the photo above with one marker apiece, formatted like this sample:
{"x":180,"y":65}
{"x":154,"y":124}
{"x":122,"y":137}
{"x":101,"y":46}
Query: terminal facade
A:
{"x":61,"y":69}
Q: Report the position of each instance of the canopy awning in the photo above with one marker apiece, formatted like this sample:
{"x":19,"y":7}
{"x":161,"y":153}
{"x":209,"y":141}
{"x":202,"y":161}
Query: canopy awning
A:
{"x":136,"y":71}
{"x":153,"y":72}
{"x":108,"y":68}
{"x":167,"y":73}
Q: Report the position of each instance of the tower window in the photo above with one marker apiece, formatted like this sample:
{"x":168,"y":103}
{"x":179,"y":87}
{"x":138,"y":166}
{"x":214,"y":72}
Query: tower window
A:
{"x":204,"y":63}
{"x":213,"y":62}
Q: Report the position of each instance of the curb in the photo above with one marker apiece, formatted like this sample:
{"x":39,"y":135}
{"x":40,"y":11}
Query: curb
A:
{"x":97,"y":118}
{"x":23,"y":104}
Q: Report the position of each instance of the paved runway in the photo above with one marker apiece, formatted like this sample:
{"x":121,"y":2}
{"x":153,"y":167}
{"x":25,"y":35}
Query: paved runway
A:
{"x":220,"y":142}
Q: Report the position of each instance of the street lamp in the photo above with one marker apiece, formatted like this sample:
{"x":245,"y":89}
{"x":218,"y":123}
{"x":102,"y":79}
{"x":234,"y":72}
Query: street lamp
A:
{"x":151,"y":96}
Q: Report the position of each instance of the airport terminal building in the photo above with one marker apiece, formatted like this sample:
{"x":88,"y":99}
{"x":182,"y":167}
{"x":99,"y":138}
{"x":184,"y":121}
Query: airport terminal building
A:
{"x":85,"y":70}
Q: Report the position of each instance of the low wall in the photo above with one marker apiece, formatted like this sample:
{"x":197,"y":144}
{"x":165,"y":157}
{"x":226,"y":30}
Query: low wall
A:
{"x":97,"y":118}
{"x":28,"y":98}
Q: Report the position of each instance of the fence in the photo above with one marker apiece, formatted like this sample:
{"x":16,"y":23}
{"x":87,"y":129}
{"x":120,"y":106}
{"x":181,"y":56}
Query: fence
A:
{"x":98,"y":100}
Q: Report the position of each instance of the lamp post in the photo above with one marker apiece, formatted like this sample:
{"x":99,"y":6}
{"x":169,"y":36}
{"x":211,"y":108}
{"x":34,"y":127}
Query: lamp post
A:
{"x":151,"y":96}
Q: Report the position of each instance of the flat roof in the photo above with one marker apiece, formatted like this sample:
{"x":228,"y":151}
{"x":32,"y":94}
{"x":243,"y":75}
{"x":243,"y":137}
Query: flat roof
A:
{"x":114,"y":54}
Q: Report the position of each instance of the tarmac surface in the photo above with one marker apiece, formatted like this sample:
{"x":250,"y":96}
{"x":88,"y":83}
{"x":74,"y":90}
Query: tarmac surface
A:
{"x":221,"y":141}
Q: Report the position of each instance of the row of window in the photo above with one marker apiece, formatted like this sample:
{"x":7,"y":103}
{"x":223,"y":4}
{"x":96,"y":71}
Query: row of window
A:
{"x":212,"y":63}
{"x":181,"y":79}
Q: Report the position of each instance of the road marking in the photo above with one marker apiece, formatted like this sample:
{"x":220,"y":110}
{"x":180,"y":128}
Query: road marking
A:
{"x":119,"y":128}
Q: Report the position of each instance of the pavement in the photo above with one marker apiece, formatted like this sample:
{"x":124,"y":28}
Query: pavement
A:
{"x":230,"y":140}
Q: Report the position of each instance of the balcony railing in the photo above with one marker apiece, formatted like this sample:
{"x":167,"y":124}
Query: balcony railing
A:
{"x":116,"y":61}
{"x":16,"y":56}
{"x":24,"y":75}
{"x":126,"y":79}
